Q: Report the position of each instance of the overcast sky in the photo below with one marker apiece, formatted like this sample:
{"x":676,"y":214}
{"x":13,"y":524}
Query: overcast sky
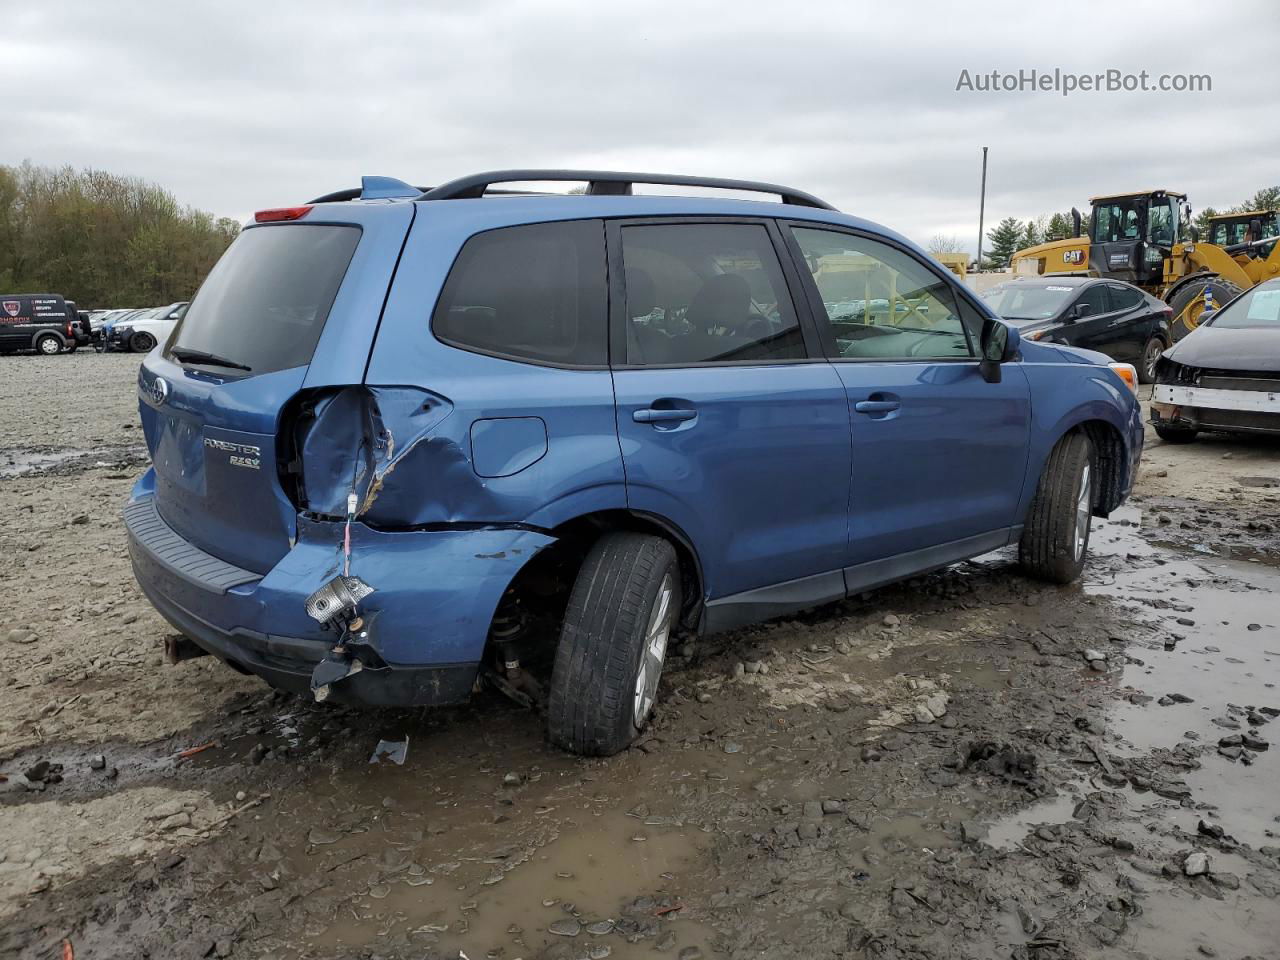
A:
{"x":236,"y":106}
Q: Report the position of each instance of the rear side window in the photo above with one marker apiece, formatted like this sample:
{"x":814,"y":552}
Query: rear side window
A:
{"x":1124,"y":298}
{"x":266,"y":301}
{"x":706,"y":293}
{"x":535,"y":292}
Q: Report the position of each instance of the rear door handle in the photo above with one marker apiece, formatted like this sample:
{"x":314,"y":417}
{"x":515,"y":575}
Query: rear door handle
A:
{"x":877,"y":406}
{"x":654,"y":415}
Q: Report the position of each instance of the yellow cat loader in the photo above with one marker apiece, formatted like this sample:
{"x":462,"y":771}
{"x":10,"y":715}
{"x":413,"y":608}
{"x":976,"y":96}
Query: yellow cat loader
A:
{"x":1145,"y":238}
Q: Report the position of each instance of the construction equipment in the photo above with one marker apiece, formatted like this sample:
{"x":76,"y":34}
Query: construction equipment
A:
{"x":1146,"y":239}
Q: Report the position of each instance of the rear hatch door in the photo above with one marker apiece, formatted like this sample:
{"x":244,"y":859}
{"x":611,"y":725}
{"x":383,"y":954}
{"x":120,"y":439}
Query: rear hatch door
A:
{"x":297,"y":303}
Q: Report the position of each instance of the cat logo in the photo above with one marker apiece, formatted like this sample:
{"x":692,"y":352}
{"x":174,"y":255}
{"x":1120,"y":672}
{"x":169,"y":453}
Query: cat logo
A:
{"x":1073,"y":257}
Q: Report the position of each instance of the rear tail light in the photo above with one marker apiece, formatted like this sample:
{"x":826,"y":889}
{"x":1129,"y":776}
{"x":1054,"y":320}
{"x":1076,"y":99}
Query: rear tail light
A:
{"x":277,"y":214}
{"x":70,"y":331}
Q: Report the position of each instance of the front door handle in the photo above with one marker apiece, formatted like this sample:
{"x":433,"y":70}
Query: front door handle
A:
{"x":877,"y":406}
{"x":656,"y":415}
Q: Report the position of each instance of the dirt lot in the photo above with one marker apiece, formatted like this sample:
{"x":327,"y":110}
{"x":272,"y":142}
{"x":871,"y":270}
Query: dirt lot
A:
{"x":968,"y":765}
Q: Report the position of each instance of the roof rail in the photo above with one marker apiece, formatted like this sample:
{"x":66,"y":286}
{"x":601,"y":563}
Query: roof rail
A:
{"x":608,"y":183}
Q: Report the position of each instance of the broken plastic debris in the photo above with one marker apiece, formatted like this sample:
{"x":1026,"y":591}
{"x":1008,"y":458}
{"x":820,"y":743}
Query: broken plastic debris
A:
{"x":391,"y":751}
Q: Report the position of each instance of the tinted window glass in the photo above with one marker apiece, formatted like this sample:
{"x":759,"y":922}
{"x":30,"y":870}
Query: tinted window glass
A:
{"x":266,"y":301}
{"x":534,"y":292}
{"x":1096,"y":299}
{"x":706,"y":293}
{"x":1116,"y":220}
{"x":1258,"y":307}
{"x":881,"y":302}
{"x":1123,"y":297}
{"x":1023,"y":302}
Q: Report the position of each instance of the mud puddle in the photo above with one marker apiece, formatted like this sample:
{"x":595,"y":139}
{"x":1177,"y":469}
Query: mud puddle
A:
{"x":23,"y":462}
{"x":595,"y":882}
{"x":1205,"y":678}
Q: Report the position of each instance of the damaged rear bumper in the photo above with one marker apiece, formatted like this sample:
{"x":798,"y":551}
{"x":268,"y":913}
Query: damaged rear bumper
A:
{"x":436,"y":591}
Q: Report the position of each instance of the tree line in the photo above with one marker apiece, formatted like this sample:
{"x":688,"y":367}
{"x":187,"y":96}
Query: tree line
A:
{"x":1011,"y":234}
{"x":101,"y":239}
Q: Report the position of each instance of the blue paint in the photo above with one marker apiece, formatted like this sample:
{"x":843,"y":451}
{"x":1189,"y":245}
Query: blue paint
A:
{"x":465,"y":464}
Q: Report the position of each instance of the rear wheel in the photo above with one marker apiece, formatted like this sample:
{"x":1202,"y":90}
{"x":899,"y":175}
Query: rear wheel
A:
{"x":613,"y":644}
{"x":1150,"y":357}
{"x":1189,"y":302}
{"x":49,"y":345}
{"x":1055,"y":538}
{"x":1176,"y":434}
{"x":142,"y":342}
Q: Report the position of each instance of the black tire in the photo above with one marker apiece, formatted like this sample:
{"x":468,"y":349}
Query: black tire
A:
{"x":1176,"y":434}
{"x":47,"y":345}
{"x":1053,"y":546}
{"x":1185,"y":320}
{"x":142,"y":342}
{"x":1150,"y":356}
{"x":594,"y":707}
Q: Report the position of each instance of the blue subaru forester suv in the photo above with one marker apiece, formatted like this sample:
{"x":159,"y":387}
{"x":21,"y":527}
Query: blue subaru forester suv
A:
{"x":405,"y":439}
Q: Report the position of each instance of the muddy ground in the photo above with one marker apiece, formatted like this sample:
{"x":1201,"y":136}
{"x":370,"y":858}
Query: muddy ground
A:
{"x":969,"y":765}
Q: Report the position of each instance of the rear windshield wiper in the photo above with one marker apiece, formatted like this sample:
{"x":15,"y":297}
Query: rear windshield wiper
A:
{"x":209,"y":359}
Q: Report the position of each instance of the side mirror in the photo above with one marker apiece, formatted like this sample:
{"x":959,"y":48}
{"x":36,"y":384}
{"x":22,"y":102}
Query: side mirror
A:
{"x":999,"y":345}
{"x":1082,"y":310}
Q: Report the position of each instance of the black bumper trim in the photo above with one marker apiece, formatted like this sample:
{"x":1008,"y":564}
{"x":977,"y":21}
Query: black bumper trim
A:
{"x":180,"y":557}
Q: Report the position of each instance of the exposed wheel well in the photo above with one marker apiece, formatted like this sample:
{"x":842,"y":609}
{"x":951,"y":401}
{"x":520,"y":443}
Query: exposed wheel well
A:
{"x":533,"y":605}
{"x":1108,"y":448}
{"x":586,"y":529}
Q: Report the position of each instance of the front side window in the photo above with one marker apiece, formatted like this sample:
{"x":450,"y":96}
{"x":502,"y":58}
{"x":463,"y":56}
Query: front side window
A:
{"x":880,"y":302}
{"x":534,"y":292}
{"x":1161,"y":222}
{"x":706,"y":293}
{"x":1093,"y":300}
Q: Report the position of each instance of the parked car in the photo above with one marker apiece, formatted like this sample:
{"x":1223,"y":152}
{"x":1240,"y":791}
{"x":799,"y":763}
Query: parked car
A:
{"x":1225,"y":374}
{"x":141,"y":332}
{"x":81,"y":330}
{"x":370,"y":481}
{"x":108,"y":324}
{"x":37,"y":321}
{"x":1110,"y":316}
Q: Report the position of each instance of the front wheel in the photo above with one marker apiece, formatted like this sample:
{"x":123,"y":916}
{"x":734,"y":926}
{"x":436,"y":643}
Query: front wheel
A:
{"x":624,"y":604}
{"x":49,"y":345}
{"x":1150,"y":357}
{"x":1055,"y":537}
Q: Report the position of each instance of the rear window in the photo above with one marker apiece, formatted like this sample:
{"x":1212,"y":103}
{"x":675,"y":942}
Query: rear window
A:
{"x":266,"y":301}
{"x":534,"y":292}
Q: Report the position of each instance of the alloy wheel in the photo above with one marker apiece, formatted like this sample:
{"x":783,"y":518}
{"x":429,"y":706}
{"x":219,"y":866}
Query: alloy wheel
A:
{"x":1084,"y":509}
{"x":656,"y":635}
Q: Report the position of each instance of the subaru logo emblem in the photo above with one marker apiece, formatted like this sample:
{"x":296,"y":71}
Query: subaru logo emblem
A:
{"x":159,"y":390}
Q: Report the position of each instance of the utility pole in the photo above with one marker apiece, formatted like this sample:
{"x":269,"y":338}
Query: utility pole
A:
{"x":982,"y":205}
